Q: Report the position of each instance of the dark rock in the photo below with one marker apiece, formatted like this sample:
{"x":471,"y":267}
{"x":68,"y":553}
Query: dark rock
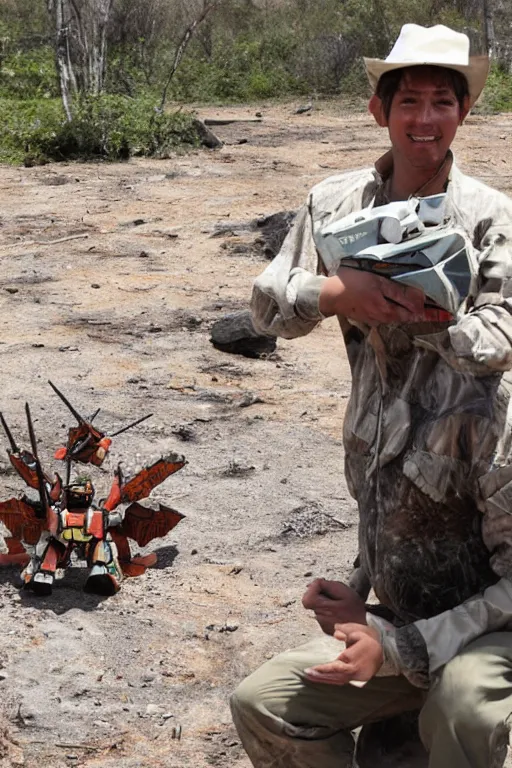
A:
{"x":273,"y":230}
{"x":303,"y":109}
{"x":207,"y":137}
{"x":235,"y":333}
{"x":55,"y":180}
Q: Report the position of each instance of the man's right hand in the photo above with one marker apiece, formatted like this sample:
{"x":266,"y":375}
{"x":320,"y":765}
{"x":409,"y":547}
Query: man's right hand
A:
{"x":370,"y":299}
{"x":334,"y":603}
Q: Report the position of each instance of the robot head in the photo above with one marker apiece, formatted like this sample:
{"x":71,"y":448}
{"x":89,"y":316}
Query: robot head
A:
{"x":80,"y":493}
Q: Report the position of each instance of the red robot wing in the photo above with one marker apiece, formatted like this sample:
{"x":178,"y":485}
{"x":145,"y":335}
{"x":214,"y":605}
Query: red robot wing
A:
{"x":19,"y":517}
{"x":140,"y":486}
{"x":25,"y":465}
{"x":143,"y":524}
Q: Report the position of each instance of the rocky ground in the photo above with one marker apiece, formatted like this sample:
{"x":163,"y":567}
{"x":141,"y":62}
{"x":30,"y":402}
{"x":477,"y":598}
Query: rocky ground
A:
{"x":112,"y":276}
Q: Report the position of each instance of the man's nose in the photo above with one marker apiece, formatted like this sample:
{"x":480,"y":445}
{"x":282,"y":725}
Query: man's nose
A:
{"x":425,"y":113}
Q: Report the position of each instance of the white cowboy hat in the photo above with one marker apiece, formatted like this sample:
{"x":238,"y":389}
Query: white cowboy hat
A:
{"x":437,"y":46}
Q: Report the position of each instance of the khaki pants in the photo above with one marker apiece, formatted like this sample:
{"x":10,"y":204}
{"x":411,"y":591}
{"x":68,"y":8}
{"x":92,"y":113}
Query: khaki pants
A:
{"x":284,"y":721}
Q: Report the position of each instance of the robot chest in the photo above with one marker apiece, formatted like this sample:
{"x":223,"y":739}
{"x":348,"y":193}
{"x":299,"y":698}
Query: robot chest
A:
{"x":81,"y":525}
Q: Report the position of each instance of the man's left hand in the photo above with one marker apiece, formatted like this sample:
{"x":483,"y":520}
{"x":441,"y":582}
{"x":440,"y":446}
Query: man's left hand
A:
{"x":361,"y":659}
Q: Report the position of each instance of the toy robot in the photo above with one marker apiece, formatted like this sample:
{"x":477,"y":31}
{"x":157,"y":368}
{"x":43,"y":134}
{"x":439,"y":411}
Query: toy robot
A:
{"x":62,"y":518}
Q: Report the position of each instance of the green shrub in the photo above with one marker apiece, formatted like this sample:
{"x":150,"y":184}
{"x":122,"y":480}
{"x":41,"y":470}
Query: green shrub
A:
{"x":497,"y":95}
{"x":107,"y":127}
{"x":29,"y":75}
{"x":239,"y":69}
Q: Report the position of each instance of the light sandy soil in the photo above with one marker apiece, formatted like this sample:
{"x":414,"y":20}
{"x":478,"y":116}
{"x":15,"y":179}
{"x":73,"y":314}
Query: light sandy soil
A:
{"x":120,"y":319}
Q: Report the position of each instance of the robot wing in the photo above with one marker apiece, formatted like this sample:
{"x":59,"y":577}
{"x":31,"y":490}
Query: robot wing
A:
{"x":141,"y":485}
{"x":21,"y":520}
{"x":143,"y":524}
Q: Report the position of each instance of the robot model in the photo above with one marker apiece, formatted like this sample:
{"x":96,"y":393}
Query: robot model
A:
{"x":412,"y":242}
{"x":60,"y":518}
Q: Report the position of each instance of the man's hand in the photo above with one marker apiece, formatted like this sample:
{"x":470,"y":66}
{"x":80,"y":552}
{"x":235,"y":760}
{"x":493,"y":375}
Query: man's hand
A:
{"x":370,"y":298}
{"x":361,"y":659}
{"x":333,"y":602}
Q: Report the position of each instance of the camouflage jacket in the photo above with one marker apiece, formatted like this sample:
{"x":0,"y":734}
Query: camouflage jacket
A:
{"x":427,"y":433}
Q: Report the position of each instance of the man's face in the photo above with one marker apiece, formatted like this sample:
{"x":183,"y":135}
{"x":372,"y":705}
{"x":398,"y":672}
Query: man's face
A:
{"x":423,"y":119}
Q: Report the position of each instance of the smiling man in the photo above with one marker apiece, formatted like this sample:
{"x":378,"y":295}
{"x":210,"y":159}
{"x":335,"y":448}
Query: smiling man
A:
{"x":428,"y":448}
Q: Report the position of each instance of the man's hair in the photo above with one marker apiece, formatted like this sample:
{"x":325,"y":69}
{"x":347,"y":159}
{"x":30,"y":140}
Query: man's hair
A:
{"x":390,"y":82}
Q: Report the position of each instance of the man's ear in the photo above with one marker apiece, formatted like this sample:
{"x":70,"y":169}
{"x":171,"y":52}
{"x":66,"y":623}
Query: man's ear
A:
{"x":376,"y":108}
{"x":464,"y":110}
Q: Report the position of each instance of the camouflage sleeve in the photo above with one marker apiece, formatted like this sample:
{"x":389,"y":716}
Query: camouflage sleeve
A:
{"x":285,"y":296}
{"x":484,"y":335}
{"x":421,"y":649}
{"x":480,"y":342}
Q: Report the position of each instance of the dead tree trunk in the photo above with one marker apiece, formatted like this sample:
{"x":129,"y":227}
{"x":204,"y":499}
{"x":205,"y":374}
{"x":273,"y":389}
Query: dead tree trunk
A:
{"x":90,"y":21}
{"x":80,"y":46}
{"x":489,"y":34}
{"x":67,"y":82}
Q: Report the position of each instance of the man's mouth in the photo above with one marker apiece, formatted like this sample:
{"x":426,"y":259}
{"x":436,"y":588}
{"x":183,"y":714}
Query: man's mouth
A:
{"x":422,"y":139}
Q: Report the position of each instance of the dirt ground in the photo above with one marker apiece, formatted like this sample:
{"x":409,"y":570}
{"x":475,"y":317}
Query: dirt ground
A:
{"x":119,"y":319}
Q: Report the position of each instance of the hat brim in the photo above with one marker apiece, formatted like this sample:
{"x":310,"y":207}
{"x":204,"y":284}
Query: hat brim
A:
{"x":475,"y":72}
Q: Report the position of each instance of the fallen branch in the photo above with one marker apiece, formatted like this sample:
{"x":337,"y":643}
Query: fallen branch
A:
{"x":341,"y":523}
{"x":26,"y":243}
{"x":228,"y":121}
{"x":66,"y":745}
{"x":84,"y":235}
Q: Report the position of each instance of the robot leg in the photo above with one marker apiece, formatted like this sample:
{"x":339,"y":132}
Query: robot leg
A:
{"x":106,"y":574}
{"x":39,"y":574}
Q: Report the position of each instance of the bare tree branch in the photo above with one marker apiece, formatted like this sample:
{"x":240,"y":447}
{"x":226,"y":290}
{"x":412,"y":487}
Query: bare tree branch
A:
{"x":182,"y":46}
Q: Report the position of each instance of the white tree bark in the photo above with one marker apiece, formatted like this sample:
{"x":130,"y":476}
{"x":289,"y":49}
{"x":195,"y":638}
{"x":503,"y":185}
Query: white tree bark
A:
{"x":80,"y":45}
{"x":65,"y":72}
{"x":490,"y":37}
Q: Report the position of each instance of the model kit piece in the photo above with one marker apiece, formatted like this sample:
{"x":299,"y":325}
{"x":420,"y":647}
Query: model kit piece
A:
{"x":62,"y":518}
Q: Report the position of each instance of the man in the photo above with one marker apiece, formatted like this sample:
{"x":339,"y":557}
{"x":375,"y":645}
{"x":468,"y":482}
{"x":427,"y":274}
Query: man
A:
{"x":428,"y":453}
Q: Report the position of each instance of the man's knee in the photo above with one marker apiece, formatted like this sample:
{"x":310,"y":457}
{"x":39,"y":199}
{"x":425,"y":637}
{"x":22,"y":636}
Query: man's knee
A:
{"x":455,"y":701}
{"x":262,"y":695}
{"x":246,"y":697}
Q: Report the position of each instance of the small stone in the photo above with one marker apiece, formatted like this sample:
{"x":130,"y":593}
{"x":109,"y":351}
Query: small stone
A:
{"x":12,"y":290}
{"x":224,"y":627}
{"x":95,"y":285}
{"x":153,"y":709}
